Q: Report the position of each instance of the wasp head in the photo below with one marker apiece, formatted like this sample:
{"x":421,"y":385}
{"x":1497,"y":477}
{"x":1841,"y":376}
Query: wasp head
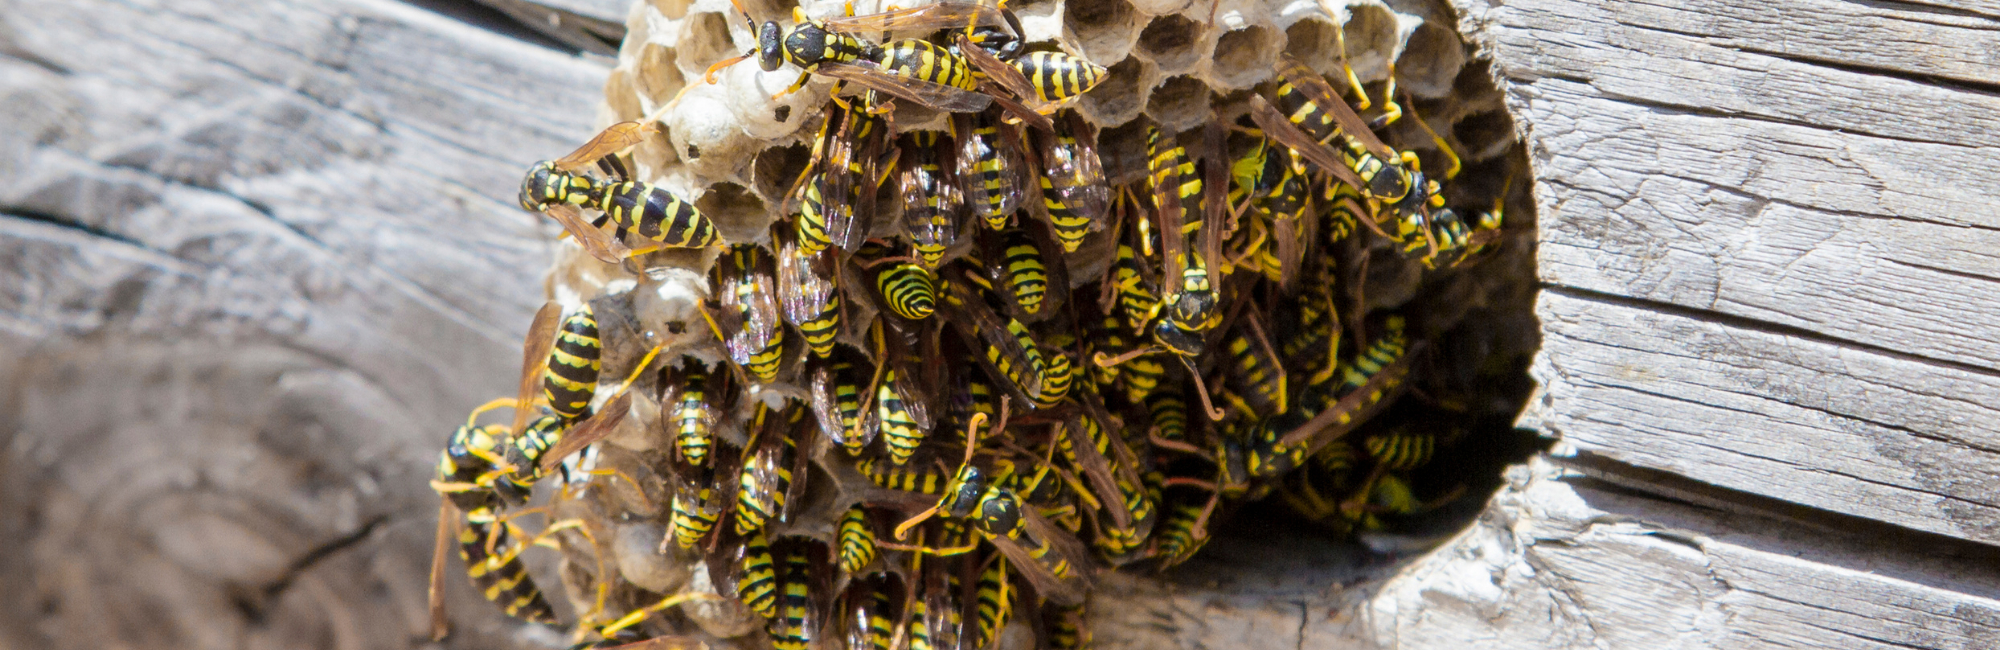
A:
{"x":535,"y":187}
{"x":770,"y":46}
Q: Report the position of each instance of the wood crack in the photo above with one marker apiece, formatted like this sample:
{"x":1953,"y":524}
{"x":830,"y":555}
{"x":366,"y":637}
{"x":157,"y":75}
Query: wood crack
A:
{"x":255,"y":603}
{"x":1757,"y":325}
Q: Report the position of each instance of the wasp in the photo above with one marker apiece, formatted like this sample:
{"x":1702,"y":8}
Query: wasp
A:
{"x":692,"y":403}
{"x":810,"y":298}
{"x":746,"y":317}
{"x":1273,"y":181}
{"x":992,"y":603}
{"x":990,"y":161}
{"x":570,"y":376}
{"x":773,"y":469}
{"x":697,"y":507}
{"x":933,"y":202}
{"x":1025,"y":265}
{"x":468,"y":461}
{"x":558,"y":187}
{"x":856,"y":534}
{"x":1253,"y":372}
{"x":872,"y":608}
{"x":838,"y":187}
{"x":802,"y":575}
{"x":1009,"y":348}
{"x":758,"y":585}
{"x":912,"y":70}
{"x":838,"y":386}
{"x":907,"y":288}
{"x":1045,"y":81}
{"x":1067,"y":628}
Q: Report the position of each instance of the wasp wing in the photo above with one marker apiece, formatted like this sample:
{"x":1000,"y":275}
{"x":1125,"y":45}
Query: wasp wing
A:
{"x":1069,"y":159}
{"x":929,"y":94}
{"x":596,"y":428}
{"x":927,"y":18}
{"x":534,"y":357}
{"x":1357,"y":407}
{"x":1163,"y":160}
{"x":595,"y":241}
{"x":1322,"y":95}
{"x":446,"y":530}
{"x":1063,"y":548}
{"x":994,"y":340}
{"x":611,"y":140}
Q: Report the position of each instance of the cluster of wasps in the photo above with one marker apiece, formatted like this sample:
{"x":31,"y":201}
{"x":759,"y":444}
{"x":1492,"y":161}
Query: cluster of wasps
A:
{"x":1017,"y":362}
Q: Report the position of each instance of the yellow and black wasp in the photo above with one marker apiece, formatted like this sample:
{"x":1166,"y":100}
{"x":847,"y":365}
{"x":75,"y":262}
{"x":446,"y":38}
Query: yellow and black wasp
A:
{"x":910,"y":69}
{"x":1075,"y":198}
{"x":856,"y":537}
{"x":902,"y":403}
{"x":1006,"y":347}
{"x":933,"y":203}
{"x":990,"y":164}
{"x":839,"y":393}
{"x":907,"y":288}
{"x":808,"y":292}
{"x":477,"y":491}
{"x":757,"y":580}
{"x":1026,"y":269}
{"x":558,"y":187}
{"x":871,"y":607}
{"x":693,"y":401}
{"x":745,"y":316}
{"x":698,"y":504}
{"x":838,"y":186}
{"x":774,"y":472}
{"x":803,"y":580}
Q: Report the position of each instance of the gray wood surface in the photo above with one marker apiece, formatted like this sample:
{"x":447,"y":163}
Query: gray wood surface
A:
{"x":259,"y":257}
{"x":1770,"y":232}
{"x":1560,"y":559}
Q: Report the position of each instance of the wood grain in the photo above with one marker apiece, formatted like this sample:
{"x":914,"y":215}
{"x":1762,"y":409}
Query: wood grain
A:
{"x":1768,"y":244}
{"x":258,"y":257}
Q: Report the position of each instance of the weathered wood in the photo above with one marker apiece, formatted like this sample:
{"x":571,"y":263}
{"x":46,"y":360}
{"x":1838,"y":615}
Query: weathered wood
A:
{"x":1559,"y":560}
{"x":1770,"y":243}
{"x":258,"y":260}
{"x":1883,"y":436}
{"x":595,"y":26}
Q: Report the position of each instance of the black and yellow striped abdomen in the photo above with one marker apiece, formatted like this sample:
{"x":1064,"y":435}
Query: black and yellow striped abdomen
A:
{"x":796,"y":622}
{"x":692,"y":416}
{"x":921,"y":479}
{"x":857,"y":540}
{"x":908,"y":289}
{"x":570,"y":381}
{"x":1401,"y":449}
{"x":500,"y":576}
{"x":923,"y":60}
{"x":695,"y":511}
{"x":900,"y":430}
{"x":757,"y":587}
{"x":1058,"y":76}
{"x":657,"y":215}
{"x":1027,"y":278}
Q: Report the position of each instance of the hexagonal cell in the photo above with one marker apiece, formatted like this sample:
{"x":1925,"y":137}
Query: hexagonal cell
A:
{"x":1484,"y":135}
{"x":672,"y":9}
{"x":1370,"y":36}
{"x":777,"y":169}
{"x":1179,"y":104}
{"x":1162,"y":7}
{"x":1173,"y":43}
{"x":706,"y":134}
{"x":1122,"y":149}
{"x":738,"y":214}
{"x":1430,"y":61}
{"x":1120,"y":97}
{"x":620,"y":95}
{"x":1474,"y":91}
{"x":1103,"y":29}
{"x":1314,"y":42}
{"x":656,"y":78}
{"x":756,"y":112}
{"x":1243,"y":57}
{"x":702,"y":40}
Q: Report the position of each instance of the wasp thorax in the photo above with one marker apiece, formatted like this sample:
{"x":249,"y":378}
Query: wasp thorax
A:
{"x":806,"y":45}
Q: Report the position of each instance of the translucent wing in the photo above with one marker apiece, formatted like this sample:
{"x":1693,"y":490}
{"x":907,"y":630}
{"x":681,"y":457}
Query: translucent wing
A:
{"x":1075,"y":173}
{"x":908,"y":382}
{"x":535,"y":356}
{"x":1276,"y":127}
{"x":838,"y":177}
{"x":594,"y":240}
{"x":929,"y":94}
{"x":611,"y":140}
{"x":747,"y":291}
{"x":995,"y":341}
{"x":927,"y":18}
{"x":1215,"y":194}
{"x":446,"y":531}
{"x":805,"y":281}
{"x":1321,"y":94}
{"x":1063,"y":547}
{"x":1163,"y":162}
{"x":591,"y":430}
{"x":1008,"y":78}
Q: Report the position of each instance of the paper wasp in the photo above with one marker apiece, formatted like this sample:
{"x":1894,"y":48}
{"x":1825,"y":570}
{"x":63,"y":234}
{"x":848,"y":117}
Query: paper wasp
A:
{"x":558,"y":187}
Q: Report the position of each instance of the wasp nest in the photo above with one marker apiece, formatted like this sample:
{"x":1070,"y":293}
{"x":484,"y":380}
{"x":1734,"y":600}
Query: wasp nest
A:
{"x":1420,"y":313}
